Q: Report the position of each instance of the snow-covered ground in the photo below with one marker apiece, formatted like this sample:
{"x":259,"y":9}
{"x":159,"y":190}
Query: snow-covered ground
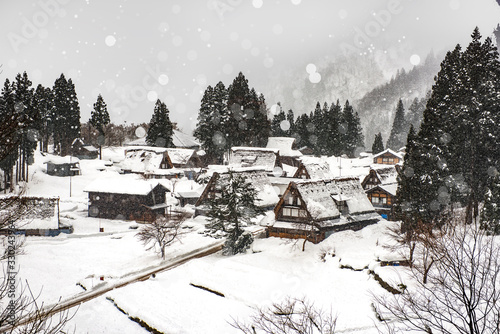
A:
{"x":274,"y":269}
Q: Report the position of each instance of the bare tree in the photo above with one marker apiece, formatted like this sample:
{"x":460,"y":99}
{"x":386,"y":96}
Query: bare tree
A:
{"x":161,"y":232}
{"x":459,"y":292}
{"x":292,"y":316}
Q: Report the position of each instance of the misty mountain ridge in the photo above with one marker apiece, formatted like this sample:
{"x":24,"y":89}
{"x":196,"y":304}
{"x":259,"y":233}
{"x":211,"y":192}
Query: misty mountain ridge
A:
{"x":361,"y":80}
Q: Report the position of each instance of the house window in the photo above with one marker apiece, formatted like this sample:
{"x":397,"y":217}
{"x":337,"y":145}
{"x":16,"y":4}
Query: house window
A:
{"x":290,"y":200}
{"x":380,"y":199}
{"x":293,"y":212}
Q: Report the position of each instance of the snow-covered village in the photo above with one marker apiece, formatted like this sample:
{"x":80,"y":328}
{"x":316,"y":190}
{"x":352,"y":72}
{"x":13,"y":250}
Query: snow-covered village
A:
{"x":257,"y":166}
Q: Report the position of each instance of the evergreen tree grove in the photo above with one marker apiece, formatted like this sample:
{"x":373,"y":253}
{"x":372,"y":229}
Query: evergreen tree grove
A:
{"x":459,"y":141}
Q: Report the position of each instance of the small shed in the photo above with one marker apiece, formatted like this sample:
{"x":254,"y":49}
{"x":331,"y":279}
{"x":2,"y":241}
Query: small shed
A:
{"x":127,"y":197}
{"x":388,"y":157}
{"x":187,"y":197}
{"x":314,"y":209}
{"x":83,"y":151}
{"x":63,"y":166}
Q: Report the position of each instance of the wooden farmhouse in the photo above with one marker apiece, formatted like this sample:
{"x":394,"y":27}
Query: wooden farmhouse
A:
{"x":63,"y":166}
{"x":154,"y":161}
{"x":388,"y":157}
{"x":266,"y":195}
{"x":288,"y":155}
{"x":82,"y":151}
{"x":314,"y":209}
{"x":381,"y":185}
{"x":313,"y":168}
{"x":37,"y":215}
{"x":267,"y":159}
{"x":127,"y":197}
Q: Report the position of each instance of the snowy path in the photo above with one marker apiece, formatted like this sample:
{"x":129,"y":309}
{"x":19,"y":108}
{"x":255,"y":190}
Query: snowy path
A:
{"x":129,"y":278}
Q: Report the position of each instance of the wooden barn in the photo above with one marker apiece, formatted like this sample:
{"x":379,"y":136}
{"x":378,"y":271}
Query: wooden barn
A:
{"x":267,"y":159}
{"x":388,"y":157}
{"x":82,"y":151}
{"x":312,"y":168}
{"x":381,"y":185}
{"x":127,"y":197}
{"x":63,"y":166}
{"x":314,"y":209}
{"x":266,"y":195}
{"x":288,"y":155}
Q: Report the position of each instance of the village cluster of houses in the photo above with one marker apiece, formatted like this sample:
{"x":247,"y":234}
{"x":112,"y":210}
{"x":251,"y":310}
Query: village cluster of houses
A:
{"x":311,"y":197}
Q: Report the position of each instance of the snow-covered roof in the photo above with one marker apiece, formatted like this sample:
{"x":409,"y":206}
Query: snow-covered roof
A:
{"x":389,"y":151}
{"x":387,"y":174}
{"x":266,"y":195}
{"x":130,"y":184}
{"x":57,"y":160}
{"x":90,"y":148}
{"x":317,"y":168}
{"x":148,"y":158}
{"x":143,"y":158}
{"x":179,"y":139}
{"x":266,"y":158}
{"x":320,"y":196}
{"x":390,"y":188}
{"x":180,"y":155}
{"x":40,"y":212}
{"x":284,"y":145}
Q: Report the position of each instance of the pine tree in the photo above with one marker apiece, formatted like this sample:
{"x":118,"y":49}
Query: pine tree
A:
{"x":99,"y":118}
{"x":204,"y":130}
{"x":302,"y":127}
{"x":9,"y":140}
{"x":378,"y":144}
{"x":23,"y":94}
{"x":416,"y":200}
{"x":160,"y":129}
{"x":490,"y":214}
{"x":43,"y":102}
{"x":318,"y":124}
{"x":397,"y":138}
{"x":231,"y":211}
{"x":290,"y":118}
{"x":238,"y":94}
{"x":332,"y":135}
{"x":66,"y":117}
{"x":353,"y":137}
{"x":278,"y":123}
{"x":415,"y":113}
{"x":262,"y":123}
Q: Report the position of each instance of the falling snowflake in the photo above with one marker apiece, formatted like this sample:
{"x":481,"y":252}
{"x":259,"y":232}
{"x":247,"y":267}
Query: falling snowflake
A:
{"x":110,"y":40}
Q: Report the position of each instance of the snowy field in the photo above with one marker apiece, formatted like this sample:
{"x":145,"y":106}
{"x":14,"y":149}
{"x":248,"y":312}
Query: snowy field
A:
{"x":274,"y":269}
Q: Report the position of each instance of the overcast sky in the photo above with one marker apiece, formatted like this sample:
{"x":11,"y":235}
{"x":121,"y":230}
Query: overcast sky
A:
{"x":133,"y":52}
